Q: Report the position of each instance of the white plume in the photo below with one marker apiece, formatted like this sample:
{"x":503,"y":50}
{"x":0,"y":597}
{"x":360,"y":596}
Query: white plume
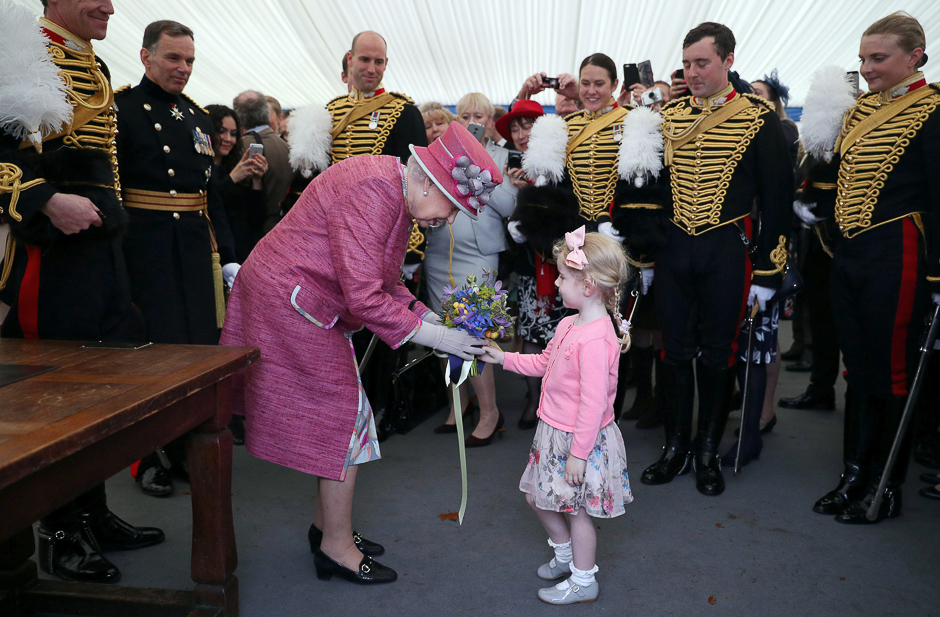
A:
{"x":544,"y":161}
{"x":830,"y":96}
{"x":33,"y":100}
{"x":641,"y":149}
{"x":309,"y":138}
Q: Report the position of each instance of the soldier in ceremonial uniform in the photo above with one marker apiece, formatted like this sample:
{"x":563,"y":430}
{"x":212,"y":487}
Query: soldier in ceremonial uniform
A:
{"x":880,"y":188}
{"x":370,"y":120}
{"x":63,"y":271}
{"x":722,"y":150}
{"x":178,"y":244}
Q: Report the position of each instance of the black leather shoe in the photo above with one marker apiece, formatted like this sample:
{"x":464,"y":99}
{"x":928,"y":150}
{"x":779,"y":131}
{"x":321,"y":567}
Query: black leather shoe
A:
{"x":800,"y":367}
{"x":73,"y":557}
{"x":155,"y":481}
{"x":856,"y":512}
{"x":370,"y":572}
{"x":113,"y":534}
{"x":930,"y":492}
{"x":810,"y":400}
{"x":838,"y":500}
{"x":372,"y":549}
{"x":672,"y":463}
{"x":708,"y":478}
{"x":237,"y":426}
{"x":930,"y":478}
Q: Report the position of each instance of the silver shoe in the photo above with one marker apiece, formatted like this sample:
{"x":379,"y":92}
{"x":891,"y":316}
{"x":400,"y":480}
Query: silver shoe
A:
{"x":567,"y":592}
{"x":553,"y":570}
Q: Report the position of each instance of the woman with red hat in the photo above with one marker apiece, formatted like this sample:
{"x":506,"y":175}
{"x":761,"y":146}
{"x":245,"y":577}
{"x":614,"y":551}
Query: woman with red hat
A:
{"x":330,"y":267}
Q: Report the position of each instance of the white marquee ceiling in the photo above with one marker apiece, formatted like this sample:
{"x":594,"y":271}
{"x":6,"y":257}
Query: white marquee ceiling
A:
{"x":441,"y":49}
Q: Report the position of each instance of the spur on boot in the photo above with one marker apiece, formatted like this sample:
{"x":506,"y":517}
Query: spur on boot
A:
{"x":370,"y":572}
{"x":554,"y":570}
{"x":672,"y":463}
{"x":567,"y":592}
{"x":366,"y":547}
{"x":74,"y":556}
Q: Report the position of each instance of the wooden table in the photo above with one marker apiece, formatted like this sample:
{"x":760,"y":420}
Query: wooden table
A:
{"x":65,"y":431}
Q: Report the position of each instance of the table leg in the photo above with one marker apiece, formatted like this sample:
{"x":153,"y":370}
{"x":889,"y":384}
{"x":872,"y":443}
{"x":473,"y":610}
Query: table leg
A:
{"x":16,"y":569}
{"x":214,"y":559}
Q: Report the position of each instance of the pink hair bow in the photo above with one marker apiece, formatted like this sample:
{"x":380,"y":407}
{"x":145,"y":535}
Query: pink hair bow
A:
{"x":575,"y":240}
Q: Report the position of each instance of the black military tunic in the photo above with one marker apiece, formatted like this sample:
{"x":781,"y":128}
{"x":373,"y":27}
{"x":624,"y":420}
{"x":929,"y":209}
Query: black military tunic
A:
{"x":166,"y":165}
{"x":67,"y":286}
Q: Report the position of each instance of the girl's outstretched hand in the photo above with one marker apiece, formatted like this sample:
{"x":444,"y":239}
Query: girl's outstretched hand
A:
{"x":492,"y":354}
{"x":574,"y":471}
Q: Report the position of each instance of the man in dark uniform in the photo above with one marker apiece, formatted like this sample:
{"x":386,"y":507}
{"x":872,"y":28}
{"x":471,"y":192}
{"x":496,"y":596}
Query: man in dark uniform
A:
{"x":723,"y":150}
{"x":370,"y":120}
{"x":178,"y":237}
{"x":64,"y":273}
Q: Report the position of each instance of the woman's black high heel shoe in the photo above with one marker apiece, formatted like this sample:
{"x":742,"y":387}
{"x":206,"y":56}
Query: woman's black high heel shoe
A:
{"x":479,"y":442}
{"x":370,"y":572}
{"x":446,"y":429}
{"x":366,"y":547}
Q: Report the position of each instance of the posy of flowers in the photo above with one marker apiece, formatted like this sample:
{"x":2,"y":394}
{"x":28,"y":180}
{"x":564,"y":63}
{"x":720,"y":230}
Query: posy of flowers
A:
{"x":478,"y":309}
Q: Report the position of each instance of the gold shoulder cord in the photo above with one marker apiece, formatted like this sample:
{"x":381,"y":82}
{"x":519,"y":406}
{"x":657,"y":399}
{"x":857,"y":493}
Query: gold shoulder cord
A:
{"x":778,"y":257}
{"x":358,"y":138}
{"x":867,"y":163}
{"x":592,"y":166}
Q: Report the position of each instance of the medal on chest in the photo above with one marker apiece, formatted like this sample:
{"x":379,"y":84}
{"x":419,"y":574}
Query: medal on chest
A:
{"x":175,"y":112}
{"x":618,"y":132}
{"x":201,"y":142}
{"x":374,"y":120}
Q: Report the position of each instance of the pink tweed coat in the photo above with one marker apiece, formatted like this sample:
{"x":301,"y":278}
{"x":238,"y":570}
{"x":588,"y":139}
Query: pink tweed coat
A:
{"x":328,"y":268}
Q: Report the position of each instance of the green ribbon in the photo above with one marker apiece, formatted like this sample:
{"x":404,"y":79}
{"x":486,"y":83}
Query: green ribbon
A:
{"x":465,"y":370}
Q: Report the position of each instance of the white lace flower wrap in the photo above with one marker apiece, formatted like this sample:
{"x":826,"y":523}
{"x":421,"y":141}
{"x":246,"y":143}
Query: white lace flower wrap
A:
{"x":473,"y":182}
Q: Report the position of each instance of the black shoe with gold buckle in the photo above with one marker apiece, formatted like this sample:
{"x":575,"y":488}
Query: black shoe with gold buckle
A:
{"x":71,"y":556}
{"x":366,"y":547}
{"x":370,"y":572}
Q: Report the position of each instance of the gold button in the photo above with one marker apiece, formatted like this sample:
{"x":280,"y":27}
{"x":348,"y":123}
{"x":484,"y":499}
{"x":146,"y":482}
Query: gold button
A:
{"x":173,"y":193}
{"x":176,"y":215}
{"x":147,"y":106}
{"x":157,"y":126}
{"x":166,"y":149}
{"x":171,"y":172}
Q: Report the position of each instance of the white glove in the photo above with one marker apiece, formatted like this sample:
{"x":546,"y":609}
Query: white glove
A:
{"x":409,"y":270}
{"x":936,"y":298}
{"x":517,"y":235}
{"x":646,"y":279}
{"x":432,"y":318}
{"x":805,"y":212}
{"x":607,"y":228}
{"x":449,"y":340}
{"x":761,"y":294}
{"x":228,"y":273}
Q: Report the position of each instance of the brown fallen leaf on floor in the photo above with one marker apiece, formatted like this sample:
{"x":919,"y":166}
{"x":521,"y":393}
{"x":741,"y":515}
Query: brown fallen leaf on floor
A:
{"x":842,"y":578}
{"x":450,"y":516}
{"x":712,"y":599}
{"x":719,"y":526}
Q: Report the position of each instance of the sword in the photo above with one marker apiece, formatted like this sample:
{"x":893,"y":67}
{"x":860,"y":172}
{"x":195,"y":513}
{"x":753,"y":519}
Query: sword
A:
{"x":925,"y":350}
{"x":368,"y":353}
{"x":747,"y":383}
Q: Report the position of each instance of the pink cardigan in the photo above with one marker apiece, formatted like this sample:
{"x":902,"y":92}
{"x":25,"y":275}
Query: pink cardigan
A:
{"x":579,"y":368}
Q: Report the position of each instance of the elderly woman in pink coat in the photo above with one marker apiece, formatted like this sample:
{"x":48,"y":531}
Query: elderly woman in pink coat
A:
{"x":330,"y":267}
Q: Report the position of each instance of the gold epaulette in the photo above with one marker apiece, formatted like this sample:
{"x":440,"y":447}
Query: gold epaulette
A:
{"x":122,"y":89}
{"x":403,"y":97}
{"x":336,"y":99}
{"x":760,"y":101}
{"x":188,"y":98}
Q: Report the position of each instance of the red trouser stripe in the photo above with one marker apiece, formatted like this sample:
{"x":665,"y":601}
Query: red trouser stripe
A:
{"x":902,"y":319}
{"x":28,"y":301}
{"x":748,"y":231}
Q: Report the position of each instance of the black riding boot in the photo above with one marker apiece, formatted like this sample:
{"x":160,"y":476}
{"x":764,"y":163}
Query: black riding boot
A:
{"x":679,"y":392}
{"x":751,"y":443}
{"x":643,"y":372}
{"x":855,"y":514}
{"x":714,"y":396}
{"x":857,"y":440}
{"x":653,"y":418}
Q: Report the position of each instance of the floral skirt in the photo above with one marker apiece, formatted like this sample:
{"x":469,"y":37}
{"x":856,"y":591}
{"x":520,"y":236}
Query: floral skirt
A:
{"x":764,"y":350}
{"x":606,"y":488}
{"x":364,"y":441}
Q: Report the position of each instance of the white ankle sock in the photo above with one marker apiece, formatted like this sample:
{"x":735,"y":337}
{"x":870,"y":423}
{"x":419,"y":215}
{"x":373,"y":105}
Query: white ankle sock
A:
{"x":562,"y":551}
{"x":583,"y":578}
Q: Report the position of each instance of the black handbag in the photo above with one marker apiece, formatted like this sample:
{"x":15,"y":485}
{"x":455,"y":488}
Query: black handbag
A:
{"x":418,"y":392}
{"x":792,"y":281}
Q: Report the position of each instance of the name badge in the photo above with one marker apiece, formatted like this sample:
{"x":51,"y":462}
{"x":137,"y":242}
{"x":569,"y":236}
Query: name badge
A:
{"x":374,"y":120}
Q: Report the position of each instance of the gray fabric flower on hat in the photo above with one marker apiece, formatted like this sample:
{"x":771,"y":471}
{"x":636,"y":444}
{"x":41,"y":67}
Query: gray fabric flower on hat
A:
{"x":474,"y":183}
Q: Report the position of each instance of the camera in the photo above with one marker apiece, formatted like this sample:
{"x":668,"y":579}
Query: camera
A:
{"x":550,"y":82}
{"x":515,"y":160}
{"x":651,"y":97}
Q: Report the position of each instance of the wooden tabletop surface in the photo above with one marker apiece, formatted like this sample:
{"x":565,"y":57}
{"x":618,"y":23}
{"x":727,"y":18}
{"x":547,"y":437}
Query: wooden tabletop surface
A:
{"x":95,"y":393}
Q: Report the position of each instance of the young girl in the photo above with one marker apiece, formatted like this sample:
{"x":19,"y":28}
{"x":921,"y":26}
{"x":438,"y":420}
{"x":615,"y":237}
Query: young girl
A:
{"x":577,"y":465}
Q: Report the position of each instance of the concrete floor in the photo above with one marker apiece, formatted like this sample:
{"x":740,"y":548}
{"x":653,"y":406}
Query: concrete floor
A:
{"x":758,"y":549}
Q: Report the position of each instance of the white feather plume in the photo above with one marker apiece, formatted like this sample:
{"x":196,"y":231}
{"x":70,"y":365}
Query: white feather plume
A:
{"x":641,"y":149}
{"x":830,"y":96}
{"x":309,"y":138}
{"x":544,"y":161}
{"x":33,"y":100}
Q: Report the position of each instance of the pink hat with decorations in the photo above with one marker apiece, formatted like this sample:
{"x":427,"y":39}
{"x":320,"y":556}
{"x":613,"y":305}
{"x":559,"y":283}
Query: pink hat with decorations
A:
{"x":461,"y":168}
